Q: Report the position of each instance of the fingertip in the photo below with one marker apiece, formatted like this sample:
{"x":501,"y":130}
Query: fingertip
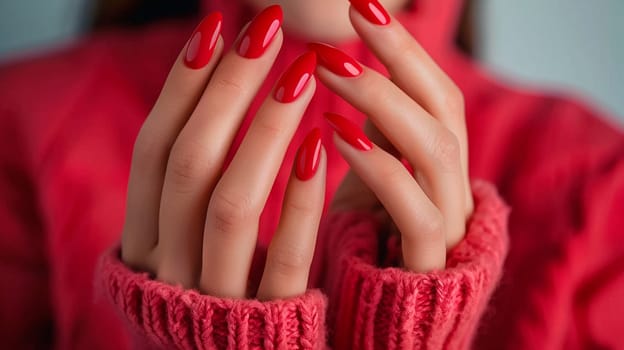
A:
{"x":335,"y":60}
{"x":260,"y":33}
{"x":371,"y":11}
{"x":295,"y":78}
{"x":308,"y":156}
{"x":200,"y":47}
{"x":348,"y":131}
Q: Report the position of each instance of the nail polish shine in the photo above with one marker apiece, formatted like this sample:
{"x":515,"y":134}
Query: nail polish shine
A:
{"x":372,"y":10}
{"x":349,"y":132}
{"x":260,"y":32}
{"x":335,"y":60}
{"x":203,"y":41}
{"x":295,"y":78}
{"x":308,"y":156}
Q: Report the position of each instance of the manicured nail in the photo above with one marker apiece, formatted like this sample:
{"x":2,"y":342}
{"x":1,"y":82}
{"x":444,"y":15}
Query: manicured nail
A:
{"x":203,"y":41}
{"x":335,"y":60}
{"x":295,"y":78}
{"x":349,"y":132}
{"x":308,"y":156}
{"x":372,"y":10}
{"x":260,"y":32}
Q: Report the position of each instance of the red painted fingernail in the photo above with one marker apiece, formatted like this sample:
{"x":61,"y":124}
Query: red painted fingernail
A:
{"x":260,"y":32}
{"x":335,"y":60}
{"x":372,"y":10}
{"x":295,"y":78}
{"x":349,"y":132}
{"x":308,"y":156}
{"x":203,"y":41}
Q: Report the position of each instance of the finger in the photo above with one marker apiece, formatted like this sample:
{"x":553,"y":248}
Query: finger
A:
{"x":180,"y":93}
{"x":416,"y":73}
{"x":427,"y":144}
{"x":238,"y":199}
{"x":353,"y":194}
{"x":419,"y":221}
{"x":292,"y":248}
{"x":198,"y":154}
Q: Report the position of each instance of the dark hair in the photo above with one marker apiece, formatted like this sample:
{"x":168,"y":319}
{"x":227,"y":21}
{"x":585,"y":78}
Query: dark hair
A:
{"x":140,"y":12}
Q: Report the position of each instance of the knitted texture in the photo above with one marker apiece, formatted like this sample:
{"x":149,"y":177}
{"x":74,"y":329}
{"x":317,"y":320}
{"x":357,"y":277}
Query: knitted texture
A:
{"x":370,"y":307}
{"x":165,"y":316}
{"x":390,"y":308}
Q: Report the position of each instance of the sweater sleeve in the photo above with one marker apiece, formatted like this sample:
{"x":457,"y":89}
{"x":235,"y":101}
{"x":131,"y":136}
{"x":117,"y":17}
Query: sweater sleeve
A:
{"x":165,"y":316}
{"x":390,"y":308}
{"x":25,"y":309}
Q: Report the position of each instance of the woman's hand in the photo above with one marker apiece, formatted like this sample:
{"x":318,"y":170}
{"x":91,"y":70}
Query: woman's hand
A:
{"x":192,"y":221}
{"x":417,"y":116}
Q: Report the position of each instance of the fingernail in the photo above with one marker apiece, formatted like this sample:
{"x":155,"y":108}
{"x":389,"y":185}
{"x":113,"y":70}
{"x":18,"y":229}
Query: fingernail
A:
{"x":203,"y":41}
{"x":349,"y":132}
{"x":372,"y":10}
{"x":335,"y":60}
{"x":308,"y":156}
{"x":295,"y":78}
{"x":260,"y":32}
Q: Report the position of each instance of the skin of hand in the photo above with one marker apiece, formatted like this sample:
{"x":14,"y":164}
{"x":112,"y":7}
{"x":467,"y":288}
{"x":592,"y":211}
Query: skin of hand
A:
{"x":189,"y":221}
{"x":416,"y":116}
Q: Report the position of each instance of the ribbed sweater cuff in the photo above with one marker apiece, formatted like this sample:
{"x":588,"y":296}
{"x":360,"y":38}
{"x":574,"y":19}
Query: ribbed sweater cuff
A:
{"x":169,"y":317}
{"x":390,"y":308}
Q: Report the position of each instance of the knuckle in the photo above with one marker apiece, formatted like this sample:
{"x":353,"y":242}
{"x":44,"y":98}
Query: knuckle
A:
{"x":407,"y":46}
{"x":369,"y":90}
{"x":434,"y":226}
{"x":229,"y":85}
{"x":288,"y":260}
{"x":392,"y":174}
{"x":411,"y":51}
{"x":431,"y":225}
{"x":444,"y":150}
{"x":229,"y":211}
{"x":148,"y":150}
{"x":271,"y":130}
{"x":187,"y":165}
{"x":300,"y":209}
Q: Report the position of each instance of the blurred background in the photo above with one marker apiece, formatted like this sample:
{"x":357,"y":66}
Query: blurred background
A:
{"x":574,"y":46}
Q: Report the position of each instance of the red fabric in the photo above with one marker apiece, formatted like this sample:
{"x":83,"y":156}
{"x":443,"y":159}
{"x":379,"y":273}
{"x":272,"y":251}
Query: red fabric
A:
{"x":67,"y":125}
{"x":170,"y":317}
{"x":383,"y":307}
{"x":389,"y":308}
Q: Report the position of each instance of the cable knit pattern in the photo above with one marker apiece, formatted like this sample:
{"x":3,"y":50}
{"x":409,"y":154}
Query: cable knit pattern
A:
{"x":390,"y":308}
{"x":170,"y":317}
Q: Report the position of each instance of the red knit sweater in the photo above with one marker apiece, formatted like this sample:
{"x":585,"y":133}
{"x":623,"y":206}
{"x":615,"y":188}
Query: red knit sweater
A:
{"x":67,"y":125}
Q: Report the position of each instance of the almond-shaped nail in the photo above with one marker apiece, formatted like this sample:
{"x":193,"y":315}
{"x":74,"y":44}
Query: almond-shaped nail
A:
{"x":335,"y":60}
{"x":349,"y":131}
{"x":295,"y":78}
{"x":308,"y":156}
{"x":260,"y":32}
{"x":203,"y":41}
{"x":372,"y":10}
